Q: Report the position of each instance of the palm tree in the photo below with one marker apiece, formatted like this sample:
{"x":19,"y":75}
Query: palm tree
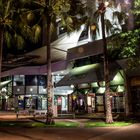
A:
{"x":106,"y":28}
{"x":8,"y":32}
{"x":109,"y":118}
{"x":68,"y":13}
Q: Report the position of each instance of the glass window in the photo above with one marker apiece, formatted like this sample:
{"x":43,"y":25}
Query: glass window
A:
{"x":57,"y":78}
{"x":42,"y":102}
{"x":99,"y":100}
{"x":118,"y":103}
{"x":31,"y":80}
{"x":84,"y":34}
{"x":42,"y":90}
{"x":19,"y":80}
{"x":42,"y":80}
{"x":18,"y":90}
{"x":21,"y":102}
{"x":31,"y":89}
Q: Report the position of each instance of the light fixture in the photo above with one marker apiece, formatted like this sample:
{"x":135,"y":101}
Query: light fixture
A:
{"x":4,"y":90}
{"x":62,"y":72}
{"x":106,"y":3}
{"x":44,"y":90}
{"x":31,"y":89}
{"x":18,"y":89}
{"x":72,"y":86}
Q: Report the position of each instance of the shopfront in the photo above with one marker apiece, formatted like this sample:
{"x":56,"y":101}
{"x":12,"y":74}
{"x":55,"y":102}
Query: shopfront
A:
{"x":135,"y":94}
{"x":27,"y":92}
{"x":90,"y":97}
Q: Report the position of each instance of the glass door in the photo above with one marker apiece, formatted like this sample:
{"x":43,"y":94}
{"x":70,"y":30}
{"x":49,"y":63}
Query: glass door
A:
{"x":99,"y":100}
{"x":136,"y":99}
{"x":30,"y":102}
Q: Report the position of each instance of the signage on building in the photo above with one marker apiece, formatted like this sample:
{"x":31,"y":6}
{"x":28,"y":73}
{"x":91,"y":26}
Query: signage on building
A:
{"x":135,"y":81}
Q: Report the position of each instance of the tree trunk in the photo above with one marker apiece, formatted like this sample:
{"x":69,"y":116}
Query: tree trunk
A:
{"x":127,"y":92}
{"x":47,"y":43}
{"x":109,"y":118}
{"x":1,"y":46}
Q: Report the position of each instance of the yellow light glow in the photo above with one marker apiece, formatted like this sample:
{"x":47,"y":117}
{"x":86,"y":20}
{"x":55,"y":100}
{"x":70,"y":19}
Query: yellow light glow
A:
{"x":106,"y":3}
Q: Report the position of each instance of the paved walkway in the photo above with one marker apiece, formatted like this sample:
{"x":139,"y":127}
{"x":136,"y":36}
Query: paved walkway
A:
{"x":100,"y":133}
{"x":131,"y":132}
{"x":12,"y":117}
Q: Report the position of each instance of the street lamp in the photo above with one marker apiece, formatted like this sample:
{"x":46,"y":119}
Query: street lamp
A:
{"x":101,"y":10}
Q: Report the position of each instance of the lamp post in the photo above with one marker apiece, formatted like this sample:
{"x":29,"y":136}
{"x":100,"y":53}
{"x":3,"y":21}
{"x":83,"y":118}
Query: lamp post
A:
{"x":101,"y":10}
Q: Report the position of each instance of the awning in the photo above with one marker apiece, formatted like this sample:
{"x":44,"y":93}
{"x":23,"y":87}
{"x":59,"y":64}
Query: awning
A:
{"x":85,"y":50}
{"x":87,"y":74}
{"x":2,"y":84}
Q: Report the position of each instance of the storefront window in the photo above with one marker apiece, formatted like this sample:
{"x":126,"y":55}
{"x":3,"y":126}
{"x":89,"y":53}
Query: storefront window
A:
{"x":44,"y":103}
{"x":117,"y":103}
{"x":19,"y":80}
{"x":99,"y":103}
{"x":42,"y":80}
{"x":18,"y":90}
{"x":31,"y":102}
{"x":31,"y":89}
{"x":42,"y":90}
{"x":21,"y":102}
{"x":31,"y":80}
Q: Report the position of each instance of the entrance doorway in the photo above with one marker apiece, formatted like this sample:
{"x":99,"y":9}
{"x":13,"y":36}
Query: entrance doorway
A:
{"x":30,"y":102}
{"x":135,"y":100}
{"x":100,"y":103}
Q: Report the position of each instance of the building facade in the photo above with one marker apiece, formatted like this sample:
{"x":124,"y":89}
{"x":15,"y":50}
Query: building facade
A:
{"x":82,"y":89}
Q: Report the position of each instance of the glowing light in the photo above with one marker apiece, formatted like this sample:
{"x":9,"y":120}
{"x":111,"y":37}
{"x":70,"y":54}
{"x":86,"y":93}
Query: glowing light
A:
{"x":72,"y":86}
{"x":31,"y":89}
{"x":82,"y":27}
{"x":111,"y":96}
{"x":18,"y":89}
{"x":3,"y":90}
{"x":106,"y":3}
{"x":6,"y":97}
{"x":62,"y":72}
{"x":44,"y":90}
{"x":74,"y":97}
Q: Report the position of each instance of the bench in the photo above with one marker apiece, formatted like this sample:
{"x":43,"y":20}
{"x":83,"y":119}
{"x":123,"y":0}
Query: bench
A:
{"x":40,"y":112}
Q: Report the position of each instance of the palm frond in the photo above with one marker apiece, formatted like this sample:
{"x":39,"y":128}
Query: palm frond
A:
{"x":121,"y":16}
{"x":8,"y":39}
{"x":7,"y":9}
{"x":41,"y":3}
{"x":19,"y":41}
{"x":36,"y":33}
{"x":108,"y":26}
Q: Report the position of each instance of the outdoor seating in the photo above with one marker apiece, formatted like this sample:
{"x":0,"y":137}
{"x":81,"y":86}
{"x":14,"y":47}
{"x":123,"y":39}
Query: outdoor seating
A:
{"x":40,"y":113}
